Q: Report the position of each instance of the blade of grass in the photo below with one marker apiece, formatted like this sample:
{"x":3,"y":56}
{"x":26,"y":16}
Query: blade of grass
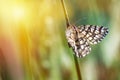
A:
{"x":65,"y":13}
{"x":77,"y":68}
{"x":75,"y":58}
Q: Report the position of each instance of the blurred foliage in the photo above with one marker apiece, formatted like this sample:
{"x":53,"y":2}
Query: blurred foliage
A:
{"x":33,"y":45}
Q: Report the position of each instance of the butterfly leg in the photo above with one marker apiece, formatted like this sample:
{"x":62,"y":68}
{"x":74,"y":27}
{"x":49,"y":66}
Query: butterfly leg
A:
{"x":69,"y":45}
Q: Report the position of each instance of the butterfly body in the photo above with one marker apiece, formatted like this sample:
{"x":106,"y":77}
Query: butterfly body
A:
{"x":80,"y":38}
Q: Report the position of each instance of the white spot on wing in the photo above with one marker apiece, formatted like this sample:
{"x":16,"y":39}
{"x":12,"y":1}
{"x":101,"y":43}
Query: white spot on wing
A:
{"x":82,"y":46}
{"x":90,"y":38}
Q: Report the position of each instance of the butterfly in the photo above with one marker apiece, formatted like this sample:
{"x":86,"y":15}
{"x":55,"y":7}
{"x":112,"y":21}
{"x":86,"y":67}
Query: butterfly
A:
{"x":80,"y":38}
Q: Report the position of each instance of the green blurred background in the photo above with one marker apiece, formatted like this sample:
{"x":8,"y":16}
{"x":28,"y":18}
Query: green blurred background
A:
{"x":33,"y":45}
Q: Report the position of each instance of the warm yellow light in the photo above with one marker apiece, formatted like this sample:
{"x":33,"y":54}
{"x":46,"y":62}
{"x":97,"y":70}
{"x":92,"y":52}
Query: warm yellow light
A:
{"x":18,"y":12}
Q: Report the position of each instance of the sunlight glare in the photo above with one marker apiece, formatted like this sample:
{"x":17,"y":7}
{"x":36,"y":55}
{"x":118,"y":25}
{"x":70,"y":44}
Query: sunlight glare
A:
{"x":18,"y":13}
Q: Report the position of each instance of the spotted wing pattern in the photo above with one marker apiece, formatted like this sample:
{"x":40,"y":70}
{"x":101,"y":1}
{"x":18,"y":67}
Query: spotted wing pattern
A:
{"x":93,"y":34}
{"x":80,"y":38}
{"x":82,"y":48}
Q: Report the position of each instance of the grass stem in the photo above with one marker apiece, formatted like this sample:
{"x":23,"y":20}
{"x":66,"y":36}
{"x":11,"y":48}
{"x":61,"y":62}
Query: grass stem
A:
{"x":65,"y":13}
{"x":75,"y":58}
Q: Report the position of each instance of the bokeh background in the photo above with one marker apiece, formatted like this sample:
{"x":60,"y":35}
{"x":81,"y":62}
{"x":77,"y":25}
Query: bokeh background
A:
{"x":33,"y":45}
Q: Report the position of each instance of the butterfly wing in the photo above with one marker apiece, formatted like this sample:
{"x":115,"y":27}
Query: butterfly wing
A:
{"x":93,"y":34}
{"x":80,"y":45}
{"x":82,"y":48}
{"x":79,"y":38}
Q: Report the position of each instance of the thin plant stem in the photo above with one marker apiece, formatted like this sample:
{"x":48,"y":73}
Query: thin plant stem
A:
{"x":75,"y":58}
{"x":77,"y":68}
{"x":65,"y":13}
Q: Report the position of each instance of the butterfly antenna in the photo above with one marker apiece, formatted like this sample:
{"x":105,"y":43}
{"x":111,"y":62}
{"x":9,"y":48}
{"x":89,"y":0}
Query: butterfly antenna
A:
{"x":79,"y":20}
{"x":65,"y":13}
